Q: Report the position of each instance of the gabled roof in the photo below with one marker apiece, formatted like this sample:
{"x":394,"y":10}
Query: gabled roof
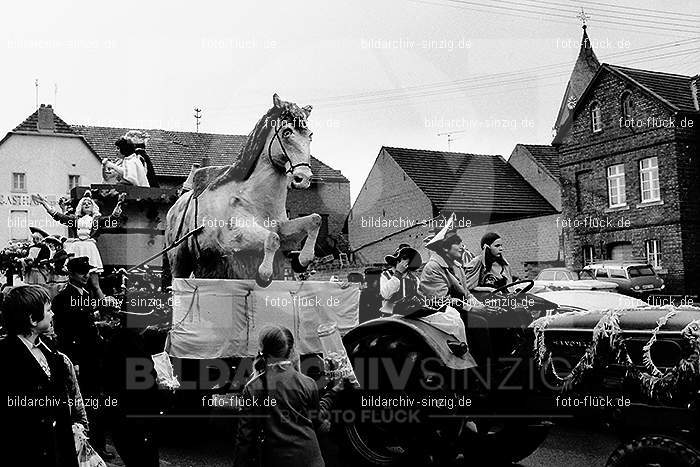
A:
{"x":546,"y":155}
{"x":470,"y":183}
{"x":30,"y":125}
{"x":585,"y":68}
{"x":174,"y":152}
{"x":674,"y":90}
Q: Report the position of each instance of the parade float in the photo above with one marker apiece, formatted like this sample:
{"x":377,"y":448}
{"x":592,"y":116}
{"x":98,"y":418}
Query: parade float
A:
{"x":226,"y":240}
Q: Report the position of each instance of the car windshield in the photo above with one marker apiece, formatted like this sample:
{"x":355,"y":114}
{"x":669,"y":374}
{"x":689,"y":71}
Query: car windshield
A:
{"x":636,"y":271}
{"x":586,"y":274}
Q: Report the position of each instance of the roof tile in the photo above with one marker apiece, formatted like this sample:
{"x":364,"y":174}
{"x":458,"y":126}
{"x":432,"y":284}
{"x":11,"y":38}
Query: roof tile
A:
{"x":476,"y":183}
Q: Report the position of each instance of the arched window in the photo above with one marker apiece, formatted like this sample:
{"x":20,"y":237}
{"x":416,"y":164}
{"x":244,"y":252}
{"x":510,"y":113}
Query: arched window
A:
{"x":626,"y":105}
{"x":596,"y":123}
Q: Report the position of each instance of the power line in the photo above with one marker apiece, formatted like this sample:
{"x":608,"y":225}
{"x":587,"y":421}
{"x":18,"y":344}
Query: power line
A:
{"x":625,"y":15}
{"x":637,"y":8}
{"x":465,"y":84}
{"x":548,"y":14}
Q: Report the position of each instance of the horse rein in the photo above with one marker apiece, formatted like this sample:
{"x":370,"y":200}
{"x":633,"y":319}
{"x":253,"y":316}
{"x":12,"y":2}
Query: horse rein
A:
{"x":284,"y":151}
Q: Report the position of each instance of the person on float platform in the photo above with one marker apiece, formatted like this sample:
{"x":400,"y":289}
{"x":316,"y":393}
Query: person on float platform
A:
{"x":489,"y":270}
{"x":399,"y":282}
{"x":443,"y":281}
{"x":134,"y":166}
{"x":87,"y":222}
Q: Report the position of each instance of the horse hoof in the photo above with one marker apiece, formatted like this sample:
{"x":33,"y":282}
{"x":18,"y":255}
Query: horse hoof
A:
{"x":261,"y":282}
{"x":296,"y":264}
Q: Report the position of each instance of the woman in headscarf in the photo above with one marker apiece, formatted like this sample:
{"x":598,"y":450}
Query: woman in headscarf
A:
{"x":489,"y":270}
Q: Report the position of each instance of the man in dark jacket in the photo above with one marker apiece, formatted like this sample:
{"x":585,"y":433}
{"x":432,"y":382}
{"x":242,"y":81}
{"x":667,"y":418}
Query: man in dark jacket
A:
{"x":35,"y":407}
{"x":75,"y":310}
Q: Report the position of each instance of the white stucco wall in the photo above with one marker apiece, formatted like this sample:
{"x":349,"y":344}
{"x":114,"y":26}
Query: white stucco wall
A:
{"x":47,"y":161}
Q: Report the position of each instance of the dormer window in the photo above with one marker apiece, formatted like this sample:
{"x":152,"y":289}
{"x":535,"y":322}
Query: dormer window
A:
{"x":596,"y":122}
{"x":626,"y":106}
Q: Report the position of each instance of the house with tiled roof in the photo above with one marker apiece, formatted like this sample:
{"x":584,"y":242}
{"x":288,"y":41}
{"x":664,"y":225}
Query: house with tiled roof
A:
{"x":407,"y":187}
{"x":628,"y":162}
{"x":538,"y":164}
{"x":47,"y":155}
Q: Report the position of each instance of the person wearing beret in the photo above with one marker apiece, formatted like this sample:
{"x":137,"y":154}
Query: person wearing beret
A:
{"x":399,"y":282}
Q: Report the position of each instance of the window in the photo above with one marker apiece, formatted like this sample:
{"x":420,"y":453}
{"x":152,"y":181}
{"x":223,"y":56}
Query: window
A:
{"x":19,"y":182}
{"x":626,"y":105}
{"x":637,"y":271}
{"x":616,"y":185}
{"x":587,"y":254}
{"x":546,"y":276}
{"x":19,"y":226}
{"x":653,"y":255}
{"x":618,"y":273}
{"x":561,"y":276}
{"x":596,"y":122}
{"x":649,"y":179}
{"x":586,"y":274}
{"x":73,"y":181}
{"x":601,"y":273}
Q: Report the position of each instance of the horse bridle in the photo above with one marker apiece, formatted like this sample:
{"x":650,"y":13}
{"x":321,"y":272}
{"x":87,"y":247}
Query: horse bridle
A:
{"x":284,"y":151}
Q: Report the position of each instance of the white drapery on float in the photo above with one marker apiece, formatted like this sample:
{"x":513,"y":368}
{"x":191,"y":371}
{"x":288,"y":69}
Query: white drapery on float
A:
{"x":218,"y":318}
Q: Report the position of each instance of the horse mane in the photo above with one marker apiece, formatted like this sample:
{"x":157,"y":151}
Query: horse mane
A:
{"x":243,"y":168}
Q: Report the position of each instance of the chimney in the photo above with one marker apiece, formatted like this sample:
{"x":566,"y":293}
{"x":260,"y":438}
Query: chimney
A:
{"x":45,"y":121}
{"x":694,"y":90}
{"x":205,"y":161}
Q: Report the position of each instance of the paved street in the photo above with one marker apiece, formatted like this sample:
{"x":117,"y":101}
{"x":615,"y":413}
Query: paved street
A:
{"x":207,"y":443}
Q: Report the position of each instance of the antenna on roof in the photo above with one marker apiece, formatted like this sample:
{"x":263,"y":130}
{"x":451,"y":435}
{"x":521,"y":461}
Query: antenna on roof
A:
{"x":55,"y":94}
{"x":197,"y":116}
{"x":450,"y":138}
{"x":36,"y":92}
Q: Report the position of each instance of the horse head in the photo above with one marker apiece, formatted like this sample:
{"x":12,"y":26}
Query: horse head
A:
{"x":288,"y":146}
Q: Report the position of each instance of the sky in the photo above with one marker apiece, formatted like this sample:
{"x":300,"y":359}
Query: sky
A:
{"x":378,"y":73}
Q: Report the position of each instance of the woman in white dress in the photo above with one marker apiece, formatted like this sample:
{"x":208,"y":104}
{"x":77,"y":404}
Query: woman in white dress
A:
{"x":87,"y":221}
{"x":131,"y":169}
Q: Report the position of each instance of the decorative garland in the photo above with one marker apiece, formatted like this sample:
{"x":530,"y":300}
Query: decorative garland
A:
{"x":655,"y":383}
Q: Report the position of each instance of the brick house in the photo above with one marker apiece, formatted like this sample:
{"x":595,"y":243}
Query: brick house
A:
{"x":629,"y":169}
{"x":407,"y":186}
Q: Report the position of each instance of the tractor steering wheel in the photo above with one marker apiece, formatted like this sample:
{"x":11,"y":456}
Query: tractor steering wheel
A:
{"x":527,"y":288}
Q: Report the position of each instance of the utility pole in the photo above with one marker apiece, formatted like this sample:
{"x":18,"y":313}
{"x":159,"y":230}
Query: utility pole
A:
{"x":197,"y":116}
{"x":36,"y":92}
{"x":450,"y":139}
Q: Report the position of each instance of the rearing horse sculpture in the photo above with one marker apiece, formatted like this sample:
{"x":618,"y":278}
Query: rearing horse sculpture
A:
{"x":241,"y":209}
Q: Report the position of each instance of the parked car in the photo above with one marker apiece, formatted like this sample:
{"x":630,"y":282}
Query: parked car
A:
{"x":590,"y":300}
{"x":564,"y":278}
{"x":632,"y":278}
